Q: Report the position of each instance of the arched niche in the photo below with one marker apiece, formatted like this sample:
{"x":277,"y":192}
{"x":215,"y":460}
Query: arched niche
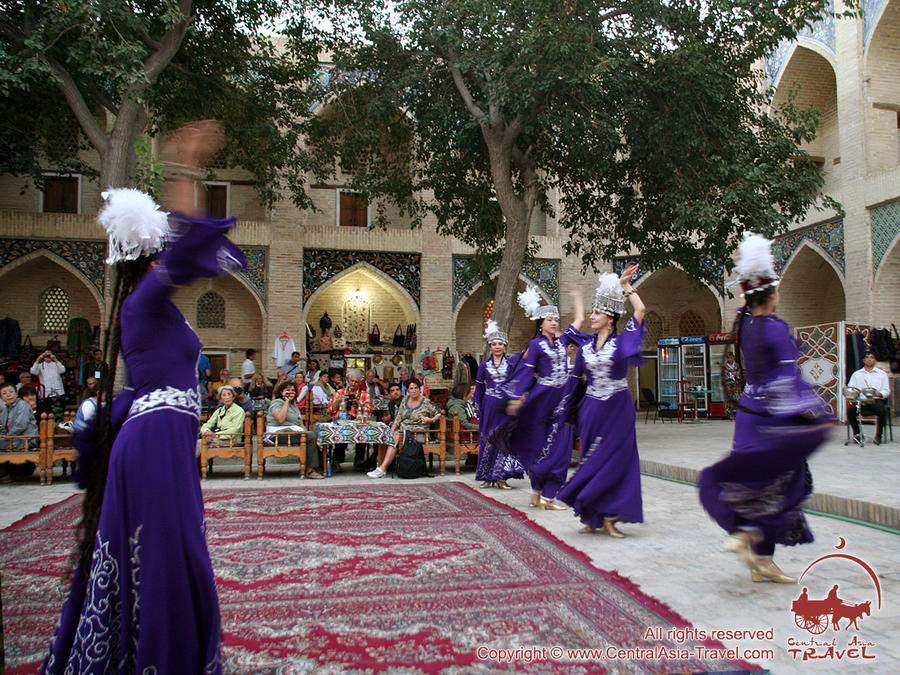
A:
{"x":882,"y":64}
{"x":670,"y":293}
{"x":885,"y":295}
{"x":811,"y":76}
{"x":470,"y":322}
{"x":244,"y":319}
{"x":23,"y":281}
{"x":811,"y":289}
{"x":390,"y":304}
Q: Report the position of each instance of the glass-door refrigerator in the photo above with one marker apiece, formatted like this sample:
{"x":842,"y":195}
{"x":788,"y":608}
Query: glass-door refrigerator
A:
{"x":719,"y":346}
{"x":694,"y":369}
{"x":668,"y":373}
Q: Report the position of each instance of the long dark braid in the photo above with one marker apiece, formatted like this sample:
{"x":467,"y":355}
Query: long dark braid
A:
{"x":127,"y":274}
{"x":753,"y":300}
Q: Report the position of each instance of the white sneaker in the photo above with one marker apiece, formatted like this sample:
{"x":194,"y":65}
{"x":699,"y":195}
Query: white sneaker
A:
{"x":376,"y":473}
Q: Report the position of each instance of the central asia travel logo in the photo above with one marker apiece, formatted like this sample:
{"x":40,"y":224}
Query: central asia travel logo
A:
{"x":822,"y":609}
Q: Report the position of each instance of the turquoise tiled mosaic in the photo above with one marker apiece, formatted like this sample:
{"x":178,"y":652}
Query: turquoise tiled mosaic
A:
{"x":820,"y":33}
{"x":542,"y":272}
{"x":828,"y":237}
{"x":871,"y":11}
{"x":885,"y":228}
{"x":86,"y":256}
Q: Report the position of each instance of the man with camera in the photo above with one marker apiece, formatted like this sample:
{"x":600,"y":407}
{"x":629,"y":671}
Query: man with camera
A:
{"x":49,"y":371}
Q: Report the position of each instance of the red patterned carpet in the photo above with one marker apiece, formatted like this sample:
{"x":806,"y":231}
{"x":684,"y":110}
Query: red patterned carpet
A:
{"x":399,"y":578}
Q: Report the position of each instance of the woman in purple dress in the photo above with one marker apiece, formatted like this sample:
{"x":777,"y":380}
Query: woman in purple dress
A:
{"x":143,"y":596}
{"x":607,"y":484}
{"x":757,"y":492}
{"x":494,"y":467}
{"x":536,"y":434}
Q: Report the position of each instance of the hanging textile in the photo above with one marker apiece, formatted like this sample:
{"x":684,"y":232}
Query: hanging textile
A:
{"x":356,"y":317}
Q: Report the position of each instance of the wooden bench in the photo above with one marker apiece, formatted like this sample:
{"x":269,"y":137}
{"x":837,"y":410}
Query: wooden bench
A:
{"x":465,"y":441}
{"x":281,"y":446}
{"x":57,"y":444}
{"x":32,"y":451}
{"x":230,"y":445}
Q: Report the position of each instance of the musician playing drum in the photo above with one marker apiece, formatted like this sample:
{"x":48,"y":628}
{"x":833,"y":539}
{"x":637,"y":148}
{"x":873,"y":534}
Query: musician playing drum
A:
{"x":873,"y":383}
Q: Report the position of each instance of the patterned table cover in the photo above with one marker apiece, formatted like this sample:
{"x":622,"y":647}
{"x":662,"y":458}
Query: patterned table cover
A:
{"x":332,"y":433}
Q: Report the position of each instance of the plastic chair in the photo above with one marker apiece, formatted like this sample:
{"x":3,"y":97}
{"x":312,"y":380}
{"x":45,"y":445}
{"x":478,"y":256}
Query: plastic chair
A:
{"x":653,"y":404}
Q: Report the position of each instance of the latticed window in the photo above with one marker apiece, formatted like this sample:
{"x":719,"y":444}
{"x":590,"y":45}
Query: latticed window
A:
{"x":54,"y":310}
{"x":691,"y":324}
{"x":210,"y":310}
{"x":653,"y":330}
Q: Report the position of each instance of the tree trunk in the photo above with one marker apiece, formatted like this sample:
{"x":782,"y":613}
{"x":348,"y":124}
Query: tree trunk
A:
{"x":117,"y":169}
{"x":517,"y":210}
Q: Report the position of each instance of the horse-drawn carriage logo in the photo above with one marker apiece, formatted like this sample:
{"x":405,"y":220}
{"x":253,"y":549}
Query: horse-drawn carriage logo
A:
{"x":814,"y":615}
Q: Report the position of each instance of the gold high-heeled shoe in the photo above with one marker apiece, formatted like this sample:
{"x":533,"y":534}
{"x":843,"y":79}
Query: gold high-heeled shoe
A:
{"x":502,"y":485}
{"x":552,"y":505}
{"x":609,"y":527}
{"x":767,"y":570}
{"x":535,"y":501}
{"x":587,"y":529}
{"x":487,"y":484}
{"x":741,"y":543}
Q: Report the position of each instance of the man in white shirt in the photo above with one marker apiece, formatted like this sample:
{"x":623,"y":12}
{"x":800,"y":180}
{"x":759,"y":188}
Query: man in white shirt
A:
{"x":49,"y":372}
{"x":870,"y":377}
{"x":248,"y":369}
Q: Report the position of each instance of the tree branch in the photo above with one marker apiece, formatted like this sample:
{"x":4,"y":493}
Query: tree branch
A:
{"x":450,"y":59}
{"x":76,"y":101}
{"x":169,"y":44}
{"x":101,"y":97}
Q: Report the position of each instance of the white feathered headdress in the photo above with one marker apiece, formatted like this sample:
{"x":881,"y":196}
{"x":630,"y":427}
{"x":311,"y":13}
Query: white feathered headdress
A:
{"x":755,"y":264}
{"x":530,"y":301}
{"x":609,"y":297}
{"x":134,"y":223}
{"x":492,"y":332}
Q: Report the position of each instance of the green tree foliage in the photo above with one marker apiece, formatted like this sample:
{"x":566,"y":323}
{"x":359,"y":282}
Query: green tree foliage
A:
{"x":115,"y":70}
{"x":648,"y":118}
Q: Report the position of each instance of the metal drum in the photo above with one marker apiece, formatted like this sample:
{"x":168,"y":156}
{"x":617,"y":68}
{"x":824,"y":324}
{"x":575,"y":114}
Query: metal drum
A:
{"x":869,"y":392}
{"x":851,"y":394}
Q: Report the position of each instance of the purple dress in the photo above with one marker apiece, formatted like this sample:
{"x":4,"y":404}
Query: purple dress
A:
{"x":535,"y":435}
{"x":493,"y":464}
{"x":764,"y":482}
{"x":607,"y":482}
{"x":150,"y":604}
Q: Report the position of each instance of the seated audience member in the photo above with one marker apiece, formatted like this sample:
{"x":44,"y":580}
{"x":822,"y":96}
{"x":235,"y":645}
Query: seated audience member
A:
{"x":312,"y":370}
{"x":248,"y":368}
{"x":16,"y":419}
{"x":416,"y":413}
{"x":394,"y":396}
{"x":337,"y":380}
{"x":283,"y":415}
{"x":870,"y":376}
{"x":460,"y":398}
{"x":322,"y":391}
{"x":203,"y":375}
{"x":240,"y":396}
{"x":226,"y":424}
{"x":29,"y":394}
{"x":214,"y":387}
{"x":280,"y":376}
{"x":357,"y":403}
{"x":293,"y":365}
{"x":260,"y":389}
{"x":24,"y":378}
{"x":302,"y":389}
{"x":404,"y":378}
{"x":375,"y":386}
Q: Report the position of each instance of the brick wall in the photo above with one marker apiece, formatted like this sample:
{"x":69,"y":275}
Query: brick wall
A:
{"x":811,"y":292}
{"x":670,"y":294}
{"x":882,"y":66}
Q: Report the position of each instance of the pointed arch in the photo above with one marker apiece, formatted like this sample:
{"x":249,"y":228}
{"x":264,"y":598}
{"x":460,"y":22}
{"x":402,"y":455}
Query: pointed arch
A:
{"x":812,"y":288}
{"x":64,"y":264}
{"x":479,"y":285}
{"x":669,"y":292}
